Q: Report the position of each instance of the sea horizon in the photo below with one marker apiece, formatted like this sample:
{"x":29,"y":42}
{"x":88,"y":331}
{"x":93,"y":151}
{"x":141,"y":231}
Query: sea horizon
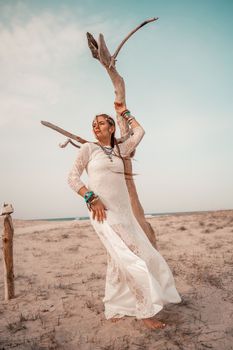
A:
{"x":72,"y":218}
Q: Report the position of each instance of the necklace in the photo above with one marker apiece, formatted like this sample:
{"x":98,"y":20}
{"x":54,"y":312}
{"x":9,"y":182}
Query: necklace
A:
{"x":108,"y":150}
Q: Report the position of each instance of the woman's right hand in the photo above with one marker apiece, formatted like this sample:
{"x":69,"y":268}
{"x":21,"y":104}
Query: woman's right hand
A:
{"x":98,"y":211}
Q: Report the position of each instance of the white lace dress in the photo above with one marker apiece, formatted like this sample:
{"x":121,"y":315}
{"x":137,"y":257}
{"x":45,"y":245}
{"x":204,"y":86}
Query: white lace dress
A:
{"x":138,"y":279}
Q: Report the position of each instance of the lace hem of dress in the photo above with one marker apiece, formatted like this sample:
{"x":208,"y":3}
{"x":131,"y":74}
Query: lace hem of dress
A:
{"x":111,"y":312}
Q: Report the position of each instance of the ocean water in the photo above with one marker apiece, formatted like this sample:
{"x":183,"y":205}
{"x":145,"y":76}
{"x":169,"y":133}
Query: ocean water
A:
{"x":66,"y":219}
{"x":147,"y":214}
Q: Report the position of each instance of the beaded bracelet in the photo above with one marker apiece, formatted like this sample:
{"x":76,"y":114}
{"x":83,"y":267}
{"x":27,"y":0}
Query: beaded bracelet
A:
{"x":88,"y":195}
{"x":125,"y":112}
{"x":130,"y":119}
{"x":94,"y":199}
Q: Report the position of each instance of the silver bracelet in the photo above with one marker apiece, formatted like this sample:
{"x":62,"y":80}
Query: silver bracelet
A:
{"x":95,"y":198}
{"x":130,"y":119}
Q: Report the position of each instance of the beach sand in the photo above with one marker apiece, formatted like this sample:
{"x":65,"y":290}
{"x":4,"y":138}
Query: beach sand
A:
{"x":60,"y":278}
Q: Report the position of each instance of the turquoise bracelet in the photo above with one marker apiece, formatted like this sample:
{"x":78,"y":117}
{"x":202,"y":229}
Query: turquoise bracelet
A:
{"x":88,"y":195}
{"x":125,"y":112}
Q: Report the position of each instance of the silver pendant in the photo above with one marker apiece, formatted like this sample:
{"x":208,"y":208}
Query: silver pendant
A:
{"x":108,"y":151}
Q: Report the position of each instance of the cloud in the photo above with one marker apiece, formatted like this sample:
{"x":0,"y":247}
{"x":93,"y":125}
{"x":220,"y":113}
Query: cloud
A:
{"x":42,"y":41}
{"x":38,"y":51}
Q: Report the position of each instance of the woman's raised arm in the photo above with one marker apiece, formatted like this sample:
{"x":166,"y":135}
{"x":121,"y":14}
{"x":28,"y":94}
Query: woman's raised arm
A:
{"x":131,"y":143}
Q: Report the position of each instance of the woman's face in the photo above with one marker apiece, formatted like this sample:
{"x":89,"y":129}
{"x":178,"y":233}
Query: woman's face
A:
{"x":102,"y":129}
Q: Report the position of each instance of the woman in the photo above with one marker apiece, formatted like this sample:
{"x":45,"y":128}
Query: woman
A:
{"x":138,"y":280}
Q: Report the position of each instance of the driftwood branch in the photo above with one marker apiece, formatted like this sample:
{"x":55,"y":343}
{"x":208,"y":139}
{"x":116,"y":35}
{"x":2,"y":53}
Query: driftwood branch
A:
{"x":64,"y":144}
{"x":77,"y":138}
{"x":113,"y":58}
{"x":100,"y":51}
{"x":63,"y":132}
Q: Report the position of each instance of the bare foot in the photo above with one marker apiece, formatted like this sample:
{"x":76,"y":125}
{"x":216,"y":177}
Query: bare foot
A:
{"x":153,"y":324}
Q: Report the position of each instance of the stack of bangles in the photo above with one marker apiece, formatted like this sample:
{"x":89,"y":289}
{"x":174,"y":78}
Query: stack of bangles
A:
{"x":90,"y":198}
{"x":127,"y":116}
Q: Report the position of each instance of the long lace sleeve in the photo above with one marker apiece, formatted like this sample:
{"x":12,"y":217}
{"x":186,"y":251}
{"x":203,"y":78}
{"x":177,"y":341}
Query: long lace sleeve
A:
{"x":131,"y":143}
{"x":80,"y":164}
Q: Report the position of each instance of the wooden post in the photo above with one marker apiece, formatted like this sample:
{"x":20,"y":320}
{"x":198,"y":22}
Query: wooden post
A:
{"x":7,"y":246}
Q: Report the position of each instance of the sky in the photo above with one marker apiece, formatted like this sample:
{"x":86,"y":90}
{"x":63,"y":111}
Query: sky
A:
{"x":179,"y":81}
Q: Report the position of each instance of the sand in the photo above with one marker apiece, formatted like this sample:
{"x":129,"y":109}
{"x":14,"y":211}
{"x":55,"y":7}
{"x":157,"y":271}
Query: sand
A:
{"x":60,"y":278}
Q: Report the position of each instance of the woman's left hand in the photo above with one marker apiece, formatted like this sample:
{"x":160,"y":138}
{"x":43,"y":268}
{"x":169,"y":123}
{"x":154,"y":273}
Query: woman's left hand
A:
{"x":98,"y":211}
{"x":119,"y":107}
